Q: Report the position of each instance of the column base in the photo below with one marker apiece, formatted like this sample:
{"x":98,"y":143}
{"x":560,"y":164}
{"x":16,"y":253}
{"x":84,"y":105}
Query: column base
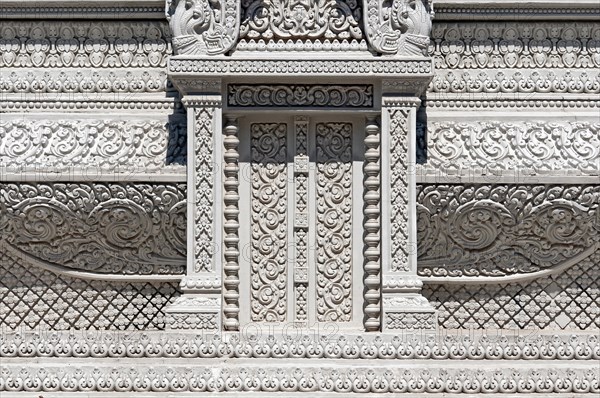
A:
{"x":194,"y":311}
{"x":404,"y":307}
{"x":199,"y":308}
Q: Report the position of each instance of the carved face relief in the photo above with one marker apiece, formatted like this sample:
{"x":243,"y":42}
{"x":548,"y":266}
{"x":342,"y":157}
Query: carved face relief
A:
{"x":203,"y":26}
{"x":398,"y":26}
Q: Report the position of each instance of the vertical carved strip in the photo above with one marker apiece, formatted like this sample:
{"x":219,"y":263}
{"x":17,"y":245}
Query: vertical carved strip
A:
{"x":231,"y":226}
{"x":269,"y":222}
{"x":204,"y":188}
{"x":399,"y":186}
{"x":301,"y":162}
{"x":334,"y":222}
{"x":372,"y":226}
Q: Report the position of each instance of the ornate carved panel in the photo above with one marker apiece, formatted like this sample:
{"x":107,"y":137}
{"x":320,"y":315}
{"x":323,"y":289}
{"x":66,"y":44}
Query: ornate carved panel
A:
{"x":269,"y":222}
{"x":529,"y":148}
{"x":399,"y":131}
{"x":470,"y":45}
{"x":204,"y":181}
{"x":54,"y":44}
{"x":284,"y":24}
{"x":334,"y":221}
{"x":499,"y":230}
{"x":128,"y":229}
{"x":109,"y":145}
{"x":305,"y":95}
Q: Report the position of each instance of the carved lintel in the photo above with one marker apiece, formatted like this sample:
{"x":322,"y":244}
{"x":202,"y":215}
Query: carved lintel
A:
{"x":398,"y":27}
{"x":203,"y":27}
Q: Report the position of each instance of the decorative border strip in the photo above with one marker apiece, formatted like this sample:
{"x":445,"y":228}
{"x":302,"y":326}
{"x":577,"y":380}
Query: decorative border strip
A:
{"x":300,"y":95}
{"x":315,"y":379}
{"x":219,"y":66}
{"x":115,"y":344}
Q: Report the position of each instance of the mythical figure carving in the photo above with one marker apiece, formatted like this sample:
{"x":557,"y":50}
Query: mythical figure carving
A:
{"x":203,"y":26}
{"x":399,"y":27}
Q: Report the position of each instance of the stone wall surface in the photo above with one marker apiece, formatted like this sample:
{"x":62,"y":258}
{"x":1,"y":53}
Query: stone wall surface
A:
{"x":96,"y":201}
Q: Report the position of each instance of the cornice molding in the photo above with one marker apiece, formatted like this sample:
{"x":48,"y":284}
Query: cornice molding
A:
{"x":77,"y":9}
{"x":516,"y":10}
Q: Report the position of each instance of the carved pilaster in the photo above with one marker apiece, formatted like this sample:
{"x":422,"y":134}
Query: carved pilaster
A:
{"x":372,"y":226}
{"x":403,"y":305}
{"x":231,"y":225}
{"x":200,"y":305}
{"x":301,"y":254}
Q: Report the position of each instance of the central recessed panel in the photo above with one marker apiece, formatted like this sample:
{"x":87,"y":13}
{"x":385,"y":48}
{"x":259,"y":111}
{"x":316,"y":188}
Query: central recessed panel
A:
{"x":301,"y":196}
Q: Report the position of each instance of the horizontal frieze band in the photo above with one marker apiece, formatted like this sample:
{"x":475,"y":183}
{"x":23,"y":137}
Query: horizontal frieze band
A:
{"x":83,"y":147}
{"x":304,"y":343}
{"x":55,"y":82}
{"x":218,"y":66}
{"x":305,"y":95}
{"x":82,"y":103}
{"x":300,"y":377}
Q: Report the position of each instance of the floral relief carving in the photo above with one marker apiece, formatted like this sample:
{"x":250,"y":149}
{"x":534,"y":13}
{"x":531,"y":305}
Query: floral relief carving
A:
{"x":132,"y":145}
{"x":498,"y":230}
{"x":57,"y":83}
{"x":334,"y":221}
{"x":365,"y":67}
{"x":104,"y":228}
{"x":399,"y":188}
{"x":307,"y":95}
{"x":325,"y":23}
{"x":504,"y":82}
{"x":317,"y":379}
{"x":535,"y":146}
{"x":269,"y":222}
{"x":516,"y":45}
{"x":203,"y":26}
{"x":204,"y":181}
{"x":53,"y":44}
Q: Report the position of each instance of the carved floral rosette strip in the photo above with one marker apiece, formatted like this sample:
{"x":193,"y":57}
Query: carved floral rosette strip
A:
{"x":529,"y":147}
{"x":101,"y":227}
{"x":306,"y":95}
{"x":269,"y":222}
{"x":542,"y":347}
{"x":334,"y":221}
{"x":499,"y":230}
{"x":127,"y":146}
{"x":269,"y":379}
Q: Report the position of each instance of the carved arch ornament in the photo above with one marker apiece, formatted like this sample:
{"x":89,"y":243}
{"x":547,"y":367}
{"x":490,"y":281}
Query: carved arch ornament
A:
{"x":212,"y":27}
